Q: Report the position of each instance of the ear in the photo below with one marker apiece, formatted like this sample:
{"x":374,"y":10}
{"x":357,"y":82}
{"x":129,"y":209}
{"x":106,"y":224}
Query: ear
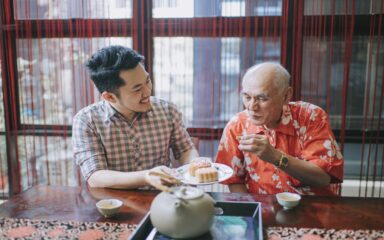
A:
{"x":288,"y":95}
{"x":109,"y":97}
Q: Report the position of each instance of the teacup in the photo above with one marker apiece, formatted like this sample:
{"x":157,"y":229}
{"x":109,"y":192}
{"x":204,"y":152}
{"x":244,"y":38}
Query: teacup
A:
{"x":288,"y":200}
{"x":109,"y":207}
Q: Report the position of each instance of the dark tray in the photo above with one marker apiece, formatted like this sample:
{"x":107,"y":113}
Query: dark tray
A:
{"x":239,"y":220}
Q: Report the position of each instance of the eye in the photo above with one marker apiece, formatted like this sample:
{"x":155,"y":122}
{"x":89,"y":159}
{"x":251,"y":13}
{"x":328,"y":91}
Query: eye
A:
{"x":246,"y":97}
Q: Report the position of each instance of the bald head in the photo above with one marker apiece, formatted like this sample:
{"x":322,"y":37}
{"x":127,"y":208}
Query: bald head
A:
{"x":267,"y":73}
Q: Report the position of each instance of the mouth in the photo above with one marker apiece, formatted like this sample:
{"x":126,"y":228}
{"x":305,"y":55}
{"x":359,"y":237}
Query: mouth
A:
{"x":145,"y":100}
{"x":253,"y":116}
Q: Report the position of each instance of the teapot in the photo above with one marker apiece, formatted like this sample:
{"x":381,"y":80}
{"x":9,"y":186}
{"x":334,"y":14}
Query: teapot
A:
{"x":181,"y":211}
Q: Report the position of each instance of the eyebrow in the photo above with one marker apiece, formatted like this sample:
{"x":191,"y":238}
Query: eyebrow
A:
{"x":261,"y":95}
{"x":140,"y":84}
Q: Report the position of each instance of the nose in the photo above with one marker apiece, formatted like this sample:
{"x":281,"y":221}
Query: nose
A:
{"x":253,"y":104}
{"x":147,"y":90}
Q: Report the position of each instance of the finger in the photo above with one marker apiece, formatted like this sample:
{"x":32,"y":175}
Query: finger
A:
{"x":247,"y":148}
{"x":250,"y":136}
{"x":165,"y":177}
{"x":169,"y":182}
{"x":249,"y":141}
{"x":168,"y":171}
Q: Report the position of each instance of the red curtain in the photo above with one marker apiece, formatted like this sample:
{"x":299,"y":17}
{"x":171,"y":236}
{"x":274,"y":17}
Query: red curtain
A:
{"x":196,"y":52}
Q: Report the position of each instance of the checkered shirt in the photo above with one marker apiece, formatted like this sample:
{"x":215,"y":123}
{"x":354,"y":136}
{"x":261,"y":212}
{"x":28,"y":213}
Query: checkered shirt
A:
{"x":103,"y":139}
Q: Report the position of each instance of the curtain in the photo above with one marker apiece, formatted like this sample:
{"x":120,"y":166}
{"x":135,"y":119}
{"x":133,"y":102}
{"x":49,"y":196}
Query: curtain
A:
{"x":196,"y":52}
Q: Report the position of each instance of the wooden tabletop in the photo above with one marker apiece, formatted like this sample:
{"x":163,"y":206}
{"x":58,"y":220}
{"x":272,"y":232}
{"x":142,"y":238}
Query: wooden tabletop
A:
{"x":78,"y":204}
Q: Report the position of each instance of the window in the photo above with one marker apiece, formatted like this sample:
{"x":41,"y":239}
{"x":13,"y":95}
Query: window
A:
{"x":3,"y":146}
{"x":54,"y":84}
{"x":364,"y":84}
{"x":2,"y":113}
{"x":186,"y":72}
{"x":68,"y":9}
{"x":341,"y":7}
{"x":225,"y":8}
{"x":46,"y":160}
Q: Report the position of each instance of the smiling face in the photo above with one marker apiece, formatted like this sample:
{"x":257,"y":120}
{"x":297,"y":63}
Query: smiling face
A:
{"x":134,"y":96}
{"x":265,"y":92}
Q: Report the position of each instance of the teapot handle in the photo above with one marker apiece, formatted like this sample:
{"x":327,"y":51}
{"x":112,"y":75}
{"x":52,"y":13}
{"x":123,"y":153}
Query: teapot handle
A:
{"x":161,"y":180}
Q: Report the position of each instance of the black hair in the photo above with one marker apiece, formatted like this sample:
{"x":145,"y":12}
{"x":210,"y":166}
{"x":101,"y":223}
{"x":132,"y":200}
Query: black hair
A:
{"x":106,"y":64}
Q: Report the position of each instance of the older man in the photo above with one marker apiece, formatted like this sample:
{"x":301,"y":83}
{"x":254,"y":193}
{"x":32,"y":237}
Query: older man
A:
{"x":275,"y":145}
{"x":118,"y":140}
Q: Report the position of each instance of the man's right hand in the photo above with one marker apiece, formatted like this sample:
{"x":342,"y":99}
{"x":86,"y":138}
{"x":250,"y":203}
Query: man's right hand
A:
{"x":162,"y":178}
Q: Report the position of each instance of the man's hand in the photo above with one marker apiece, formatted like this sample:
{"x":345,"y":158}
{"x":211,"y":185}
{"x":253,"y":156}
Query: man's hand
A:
{"x":259,"y":145}
{"x":162,"y":178}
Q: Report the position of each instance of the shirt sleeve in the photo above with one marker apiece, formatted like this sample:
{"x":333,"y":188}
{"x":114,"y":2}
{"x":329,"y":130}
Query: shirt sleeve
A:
{"x":321,"y":147}
{"x":229,"y":154}
{"x":180,"y":139}
{"x":89,"y":153}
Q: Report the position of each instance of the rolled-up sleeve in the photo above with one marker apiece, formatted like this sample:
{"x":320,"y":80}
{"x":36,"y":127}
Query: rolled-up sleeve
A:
{"x":89,"y":153}
{"x":180,"y":139}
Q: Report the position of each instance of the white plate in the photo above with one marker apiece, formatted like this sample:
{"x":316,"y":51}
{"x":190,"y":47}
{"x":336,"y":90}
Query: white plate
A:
{"x":224,"y":172}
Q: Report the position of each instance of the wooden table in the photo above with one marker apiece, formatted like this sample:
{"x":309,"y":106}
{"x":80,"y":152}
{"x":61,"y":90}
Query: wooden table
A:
{"x":78,"y":204}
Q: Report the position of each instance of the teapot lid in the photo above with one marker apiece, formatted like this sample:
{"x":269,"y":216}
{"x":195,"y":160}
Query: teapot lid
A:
{"x":187,"y":192}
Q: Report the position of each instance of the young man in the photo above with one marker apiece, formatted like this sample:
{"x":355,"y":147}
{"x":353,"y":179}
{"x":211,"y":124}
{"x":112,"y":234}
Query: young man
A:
{"x":118,"y":140}
{"x":275,"y":145}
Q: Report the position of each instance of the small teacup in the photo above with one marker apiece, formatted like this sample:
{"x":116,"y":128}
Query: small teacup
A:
{"x":288,"y":200}
{"x":109,"y":207}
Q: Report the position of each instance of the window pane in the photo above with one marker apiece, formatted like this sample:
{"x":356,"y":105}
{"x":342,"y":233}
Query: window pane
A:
{"x":66,"y":9}
{"x":204,"y":8}
{"x":53,"y":81}
{"x":3,"y":168}
{"x":340,"y":7}
{"x":203,"y":75}
{"x":46,"y":160}
{"x":372,"y":161}
{"x":2,"y":113}
{"x":364,"y":85}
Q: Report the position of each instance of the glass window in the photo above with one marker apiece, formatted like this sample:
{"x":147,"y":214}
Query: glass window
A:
{"x":3,"y":168}
{"x":53,"y":81}
{"x":323,"y":74}
{"x":2,"y":113}
{"x":203,"y":75}
{"x":204,"y":8}
{"x":340,"y":7}
{"x":67,"y":9}
{"x":372,"y":161}
{"x":46,"y":160}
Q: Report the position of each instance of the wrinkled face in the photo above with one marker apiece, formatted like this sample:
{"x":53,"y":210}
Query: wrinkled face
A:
{"x":263,"y":101}
{"x":134,"y":96}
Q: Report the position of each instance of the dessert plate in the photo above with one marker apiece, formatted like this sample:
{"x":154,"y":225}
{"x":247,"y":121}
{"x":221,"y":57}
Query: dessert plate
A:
{"x":224,"y":172}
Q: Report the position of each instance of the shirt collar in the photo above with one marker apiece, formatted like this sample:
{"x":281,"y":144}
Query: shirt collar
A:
{"x":111,"y":112}
{"x":285,"y":125}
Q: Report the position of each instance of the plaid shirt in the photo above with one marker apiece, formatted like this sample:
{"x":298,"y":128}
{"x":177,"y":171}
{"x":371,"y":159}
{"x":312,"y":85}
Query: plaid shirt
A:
{"x":103,"y":139}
